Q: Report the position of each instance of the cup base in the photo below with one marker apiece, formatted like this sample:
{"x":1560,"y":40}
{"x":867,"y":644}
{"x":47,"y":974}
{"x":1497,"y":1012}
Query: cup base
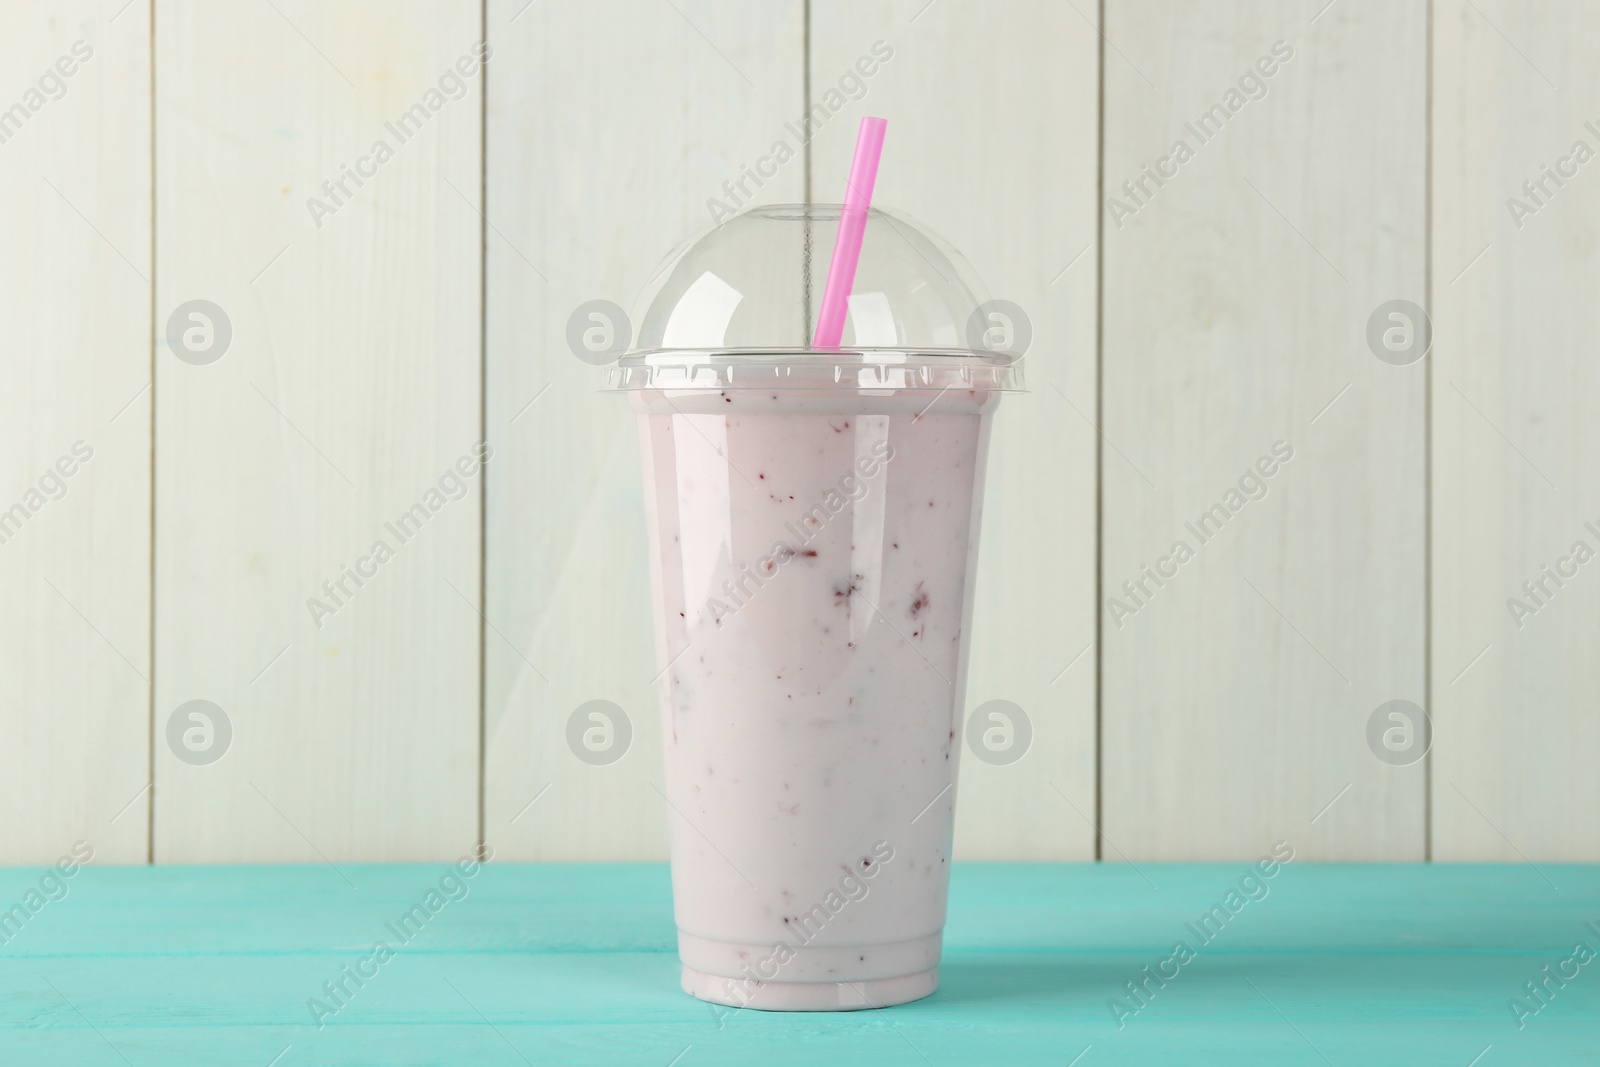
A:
{"x":810,"y":996}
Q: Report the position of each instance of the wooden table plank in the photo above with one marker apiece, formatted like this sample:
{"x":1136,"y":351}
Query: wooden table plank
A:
{"x":574,"y":964}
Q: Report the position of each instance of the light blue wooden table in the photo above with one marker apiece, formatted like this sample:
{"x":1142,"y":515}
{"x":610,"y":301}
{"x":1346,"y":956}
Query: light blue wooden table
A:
{"x":557,"y":964}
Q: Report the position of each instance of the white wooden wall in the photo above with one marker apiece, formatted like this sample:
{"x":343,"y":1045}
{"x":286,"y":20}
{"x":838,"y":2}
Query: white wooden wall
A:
{"x":417,"y":320}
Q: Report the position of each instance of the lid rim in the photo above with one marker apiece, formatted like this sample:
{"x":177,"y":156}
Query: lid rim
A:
{"x":897,"y":369}
{"x":821,"y":355}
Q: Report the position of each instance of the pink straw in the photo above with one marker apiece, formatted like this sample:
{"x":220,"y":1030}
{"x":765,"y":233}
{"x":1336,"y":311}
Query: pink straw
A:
{"x":852,"y":225}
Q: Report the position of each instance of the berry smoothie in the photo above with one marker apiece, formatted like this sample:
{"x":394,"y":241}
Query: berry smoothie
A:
{"x":812,"y":554}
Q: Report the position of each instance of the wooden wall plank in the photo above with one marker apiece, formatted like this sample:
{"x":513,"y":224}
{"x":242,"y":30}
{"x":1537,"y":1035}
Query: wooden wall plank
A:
{"x":350,"y":389}
{"x":992,"y":142}
{"x":1237,"y":295}
{"x":610,"y":127}
{"x":1515,"y":385}
{"x":75,"y":431}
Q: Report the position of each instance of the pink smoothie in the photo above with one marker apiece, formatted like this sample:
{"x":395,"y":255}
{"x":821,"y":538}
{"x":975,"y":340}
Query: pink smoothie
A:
{"x":812,"y":557}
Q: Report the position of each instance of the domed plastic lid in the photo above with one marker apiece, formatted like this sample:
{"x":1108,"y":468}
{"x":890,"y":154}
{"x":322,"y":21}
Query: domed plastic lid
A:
{"x":738,"y":307}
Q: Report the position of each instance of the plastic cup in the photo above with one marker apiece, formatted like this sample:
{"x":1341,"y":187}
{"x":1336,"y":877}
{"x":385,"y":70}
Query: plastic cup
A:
{"x":813,"y":520}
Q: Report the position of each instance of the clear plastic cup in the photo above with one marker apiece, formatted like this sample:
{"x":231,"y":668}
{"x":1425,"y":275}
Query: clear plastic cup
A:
{"x":813,"y":521}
